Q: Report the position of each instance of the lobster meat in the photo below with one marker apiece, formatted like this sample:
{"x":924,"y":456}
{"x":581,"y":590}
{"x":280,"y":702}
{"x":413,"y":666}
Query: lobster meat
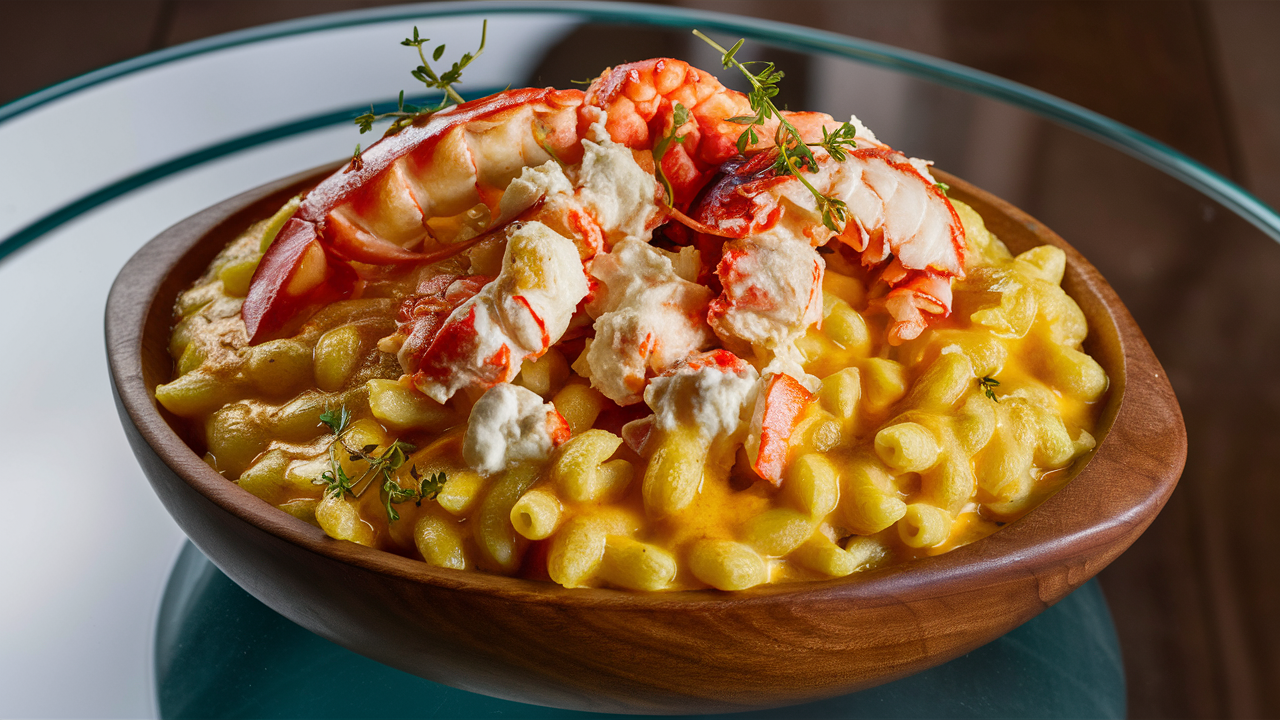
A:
{"x":569,"y":177}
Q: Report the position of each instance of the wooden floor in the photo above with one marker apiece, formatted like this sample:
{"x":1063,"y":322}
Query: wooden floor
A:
{"x":1197,"y":599}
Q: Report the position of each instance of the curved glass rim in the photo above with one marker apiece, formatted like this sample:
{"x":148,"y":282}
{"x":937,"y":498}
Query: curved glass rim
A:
{"x":793,"y":37}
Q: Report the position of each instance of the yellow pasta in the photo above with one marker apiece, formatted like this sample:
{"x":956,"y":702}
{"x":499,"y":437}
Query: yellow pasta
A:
{"x":340,"y":520}
{"x":811,"y":485}
{"x":634,"y":565}
{"x":884,"y":382}
{"x":194,"y":394}
{"x":401,"y":408}
{"x":576,"y":470}
{"x":577,"y":549}
{"x":279,"y":368}
{"x":867,"y":553}
{"x":944,"y":382}
{"x":576,"y":552}
{"x":924,"y":526}
{"x":907,"y":447}
{"x":235,"y":436}
{"x":1076,"y":373}
{"x":440,"y":542}
{"x":845,"y":326}
{"x":778,"y":531}
{"x":336,"y":357}
{"x":266,"y":476}
{"x":544,"y":375}
{"x":498,"y":541}
{"x":461,"y":491}
{"x":867,"y":502}
{"x":675,"y":472}
{"x":727,"y":565}
{"x":536,"y":514}
{"x":841,"y":392}
{"x":579,"y":404}
{"x":1004,"y":466}
{"x":822,"y":556}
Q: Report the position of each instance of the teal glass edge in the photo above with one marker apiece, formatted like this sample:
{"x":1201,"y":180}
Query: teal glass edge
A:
{"x":129,"y":183}
{"x":943,"y":72}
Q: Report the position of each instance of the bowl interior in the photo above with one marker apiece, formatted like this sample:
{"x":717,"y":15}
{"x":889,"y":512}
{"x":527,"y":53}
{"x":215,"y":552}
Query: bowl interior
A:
{"x":171,"y":262}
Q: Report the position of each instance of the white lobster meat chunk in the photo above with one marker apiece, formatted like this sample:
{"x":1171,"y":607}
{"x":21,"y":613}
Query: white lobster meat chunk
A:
{"x":604,"y":200}
{"x":772,"y":293}
{"x":895,"y":209}
{"x":712,"y":391}
{"x":648,"y":318}
{"x":517,"y":316}
{"x":511,"y":425}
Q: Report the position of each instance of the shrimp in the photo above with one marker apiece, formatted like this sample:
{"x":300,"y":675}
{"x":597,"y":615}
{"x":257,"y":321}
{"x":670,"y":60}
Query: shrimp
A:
{"x":898,"y":220}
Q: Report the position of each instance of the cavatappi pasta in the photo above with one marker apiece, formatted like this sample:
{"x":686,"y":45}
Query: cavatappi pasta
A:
{"x":894,"y":452}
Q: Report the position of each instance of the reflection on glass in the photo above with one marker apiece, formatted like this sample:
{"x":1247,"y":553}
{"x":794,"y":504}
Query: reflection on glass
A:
{"x":221,"y":653}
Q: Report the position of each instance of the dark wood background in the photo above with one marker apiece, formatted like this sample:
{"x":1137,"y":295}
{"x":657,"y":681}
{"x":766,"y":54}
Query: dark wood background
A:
{"x":1197,"y":599}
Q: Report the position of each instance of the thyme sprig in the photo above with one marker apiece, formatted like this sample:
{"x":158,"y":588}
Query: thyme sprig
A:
{"x":428,"y":487}
{"x":383,"y":465}
{"x":988,"y":385}
{"x":336,"y":482}
{"x":794,"y":154}
{"x":337,"y":420}
{"x":679,"y":117}
{"x":405,"y":114}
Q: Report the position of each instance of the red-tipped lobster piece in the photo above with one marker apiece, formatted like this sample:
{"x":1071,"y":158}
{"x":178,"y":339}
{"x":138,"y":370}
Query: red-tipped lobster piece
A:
{"x":778,"y":410}
{"x":452,"y":165}
{"x":898,"y":219}
{"x":295,"y":272}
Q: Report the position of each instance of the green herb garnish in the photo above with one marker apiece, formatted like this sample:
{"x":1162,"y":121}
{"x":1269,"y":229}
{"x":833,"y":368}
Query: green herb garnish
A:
{"x":945,"y":188}
{"x":405,"y":114}
{"x":335,"y":481}
{"x":393,"y":493}
{"x":337,"y":421}
{"x":988,"y":385}
{"x":678,"y":119}
{"x":382,"y":465}
{"x":794,"y":154}
{"x":429,"y":486}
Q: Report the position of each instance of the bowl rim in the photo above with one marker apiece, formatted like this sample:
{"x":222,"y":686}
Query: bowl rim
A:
{"x":1135,"y":398}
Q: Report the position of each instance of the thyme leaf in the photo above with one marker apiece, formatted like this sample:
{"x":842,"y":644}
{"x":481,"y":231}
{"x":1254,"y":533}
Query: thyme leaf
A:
{"x":404,"y":114}
{"x":337,"y":421}
{"x":794,"y":154}
{"x":679,"y":117}
{"x":988,"y":385}
{"x":335,"y":481}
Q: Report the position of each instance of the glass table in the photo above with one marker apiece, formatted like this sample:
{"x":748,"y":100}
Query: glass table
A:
{"x":96,"y":166}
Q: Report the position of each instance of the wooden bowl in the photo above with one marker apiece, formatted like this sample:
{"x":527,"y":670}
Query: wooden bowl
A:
{"x":617,"y":651}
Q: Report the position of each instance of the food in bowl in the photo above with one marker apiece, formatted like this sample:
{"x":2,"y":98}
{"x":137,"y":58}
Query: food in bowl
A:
{"x":653,"y":335}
